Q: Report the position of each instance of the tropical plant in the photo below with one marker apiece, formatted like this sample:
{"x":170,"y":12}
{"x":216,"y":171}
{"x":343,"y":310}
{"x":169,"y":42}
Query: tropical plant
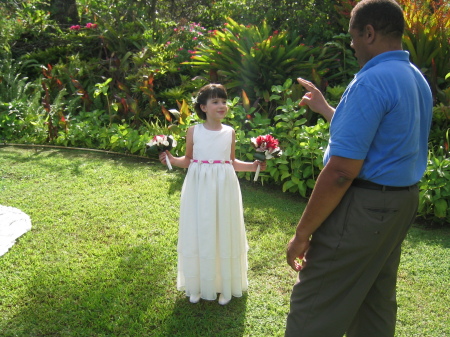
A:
{"x":346,"y":62}
{"x":254,"y":58}
{"x":427,"y":39}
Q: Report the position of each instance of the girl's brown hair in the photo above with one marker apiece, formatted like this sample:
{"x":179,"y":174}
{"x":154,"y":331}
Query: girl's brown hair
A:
{"x":212,"y":90}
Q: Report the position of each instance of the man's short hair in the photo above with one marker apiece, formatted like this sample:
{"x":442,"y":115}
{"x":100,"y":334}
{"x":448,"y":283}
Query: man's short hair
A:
{"x":385,"y":16}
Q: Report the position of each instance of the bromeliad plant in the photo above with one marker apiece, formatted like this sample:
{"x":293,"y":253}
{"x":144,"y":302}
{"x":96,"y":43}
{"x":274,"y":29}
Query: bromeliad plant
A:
{"x":427,"y":39}
{"x":253,"y":59}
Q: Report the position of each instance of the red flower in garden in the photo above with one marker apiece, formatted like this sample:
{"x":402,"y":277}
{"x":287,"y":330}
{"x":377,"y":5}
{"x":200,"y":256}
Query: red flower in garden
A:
{"x":75,"y":27}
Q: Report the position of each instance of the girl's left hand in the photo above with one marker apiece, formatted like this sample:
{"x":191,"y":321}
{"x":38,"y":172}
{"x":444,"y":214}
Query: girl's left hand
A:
{"x":262,"y":164}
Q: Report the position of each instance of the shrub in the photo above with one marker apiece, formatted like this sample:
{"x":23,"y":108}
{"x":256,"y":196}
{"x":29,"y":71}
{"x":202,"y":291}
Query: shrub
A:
{"x":302,"y":145}
{"x":20,"y":104}
{"x":435,"y":187}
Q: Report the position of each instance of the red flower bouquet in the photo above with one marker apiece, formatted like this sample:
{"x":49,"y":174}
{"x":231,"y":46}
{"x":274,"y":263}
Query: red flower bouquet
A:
{"x":266,"y":148}
{"x":161,"y":143}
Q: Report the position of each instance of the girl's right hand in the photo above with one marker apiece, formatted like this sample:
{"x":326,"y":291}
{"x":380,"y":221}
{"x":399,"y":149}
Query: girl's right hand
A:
{"x":162,"y":157}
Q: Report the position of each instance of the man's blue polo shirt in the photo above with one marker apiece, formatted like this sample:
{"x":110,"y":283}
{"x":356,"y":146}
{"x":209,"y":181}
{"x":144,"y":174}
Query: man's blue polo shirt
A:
{"x":384,"y":118}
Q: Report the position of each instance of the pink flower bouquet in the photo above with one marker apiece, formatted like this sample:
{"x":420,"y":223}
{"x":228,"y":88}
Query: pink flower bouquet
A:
{"x":266,"y":148}
{"x":161,"y":143}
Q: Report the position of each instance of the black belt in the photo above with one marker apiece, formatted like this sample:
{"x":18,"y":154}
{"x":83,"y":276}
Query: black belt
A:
{"x":374,"y":186}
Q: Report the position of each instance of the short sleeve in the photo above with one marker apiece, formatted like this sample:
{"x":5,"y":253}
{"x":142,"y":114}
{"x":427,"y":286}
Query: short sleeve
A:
{"x":356,"y":121}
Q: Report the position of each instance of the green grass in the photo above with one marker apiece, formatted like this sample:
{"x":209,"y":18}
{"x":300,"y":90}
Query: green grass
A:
{"x":100,"y":259}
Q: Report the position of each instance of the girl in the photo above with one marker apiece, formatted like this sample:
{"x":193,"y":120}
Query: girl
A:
{"x":212,"y":245}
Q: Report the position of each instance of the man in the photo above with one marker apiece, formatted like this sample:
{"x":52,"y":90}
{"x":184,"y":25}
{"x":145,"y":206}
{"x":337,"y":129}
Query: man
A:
{"x":366,"y":197}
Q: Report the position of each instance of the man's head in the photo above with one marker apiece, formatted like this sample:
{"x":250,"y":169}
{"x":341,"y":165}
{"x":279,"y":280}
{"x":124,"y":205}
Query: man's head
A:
{"x":385,"y":16}
{"x":376,"y":26}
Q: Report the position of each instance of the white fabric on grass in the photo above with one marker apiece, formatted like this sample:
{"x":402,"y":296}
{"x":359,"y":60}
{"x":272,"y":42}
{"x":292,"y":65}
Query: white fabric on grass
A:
{"x":13,"y":224}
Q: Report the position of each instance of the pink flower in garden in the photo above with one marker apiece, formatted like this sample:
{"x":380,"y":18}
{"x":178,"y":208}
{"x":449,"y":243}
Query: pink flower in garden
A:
{"x":276,"y":32}
{"x":91,"y":25}
{"x":181,"y":48}
{"x":195,"y":38}
{"x":75,"y":27}
{"x":175,"y":29}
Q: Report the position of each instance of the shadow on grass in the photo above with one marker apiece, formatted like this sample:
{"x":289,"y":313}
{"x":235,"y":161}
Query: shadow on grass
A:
{"x":419,"y":235}
{"x":108,"y":297}
{"x":206,"y":318}
{"x":133,"y":295}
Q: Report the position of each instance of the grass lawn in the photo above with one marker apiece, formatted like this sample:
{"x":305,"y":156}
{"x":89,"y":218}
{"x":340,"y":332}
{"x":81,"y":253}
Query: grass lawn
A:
{"x":100,"y":259}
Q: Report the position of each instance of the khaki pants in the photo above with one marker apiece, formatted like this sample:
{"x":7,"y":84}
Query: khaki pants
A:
{"x":348,"y":282}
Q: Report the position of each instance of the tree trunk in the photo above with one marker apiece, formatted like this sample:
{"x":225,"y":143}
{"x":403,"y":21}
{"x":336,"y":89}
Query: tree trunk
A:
{"x":152,"y":10}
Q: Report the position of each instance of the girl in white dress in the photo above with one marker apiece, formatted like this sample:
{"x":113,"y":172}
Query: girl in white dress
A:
{"x":212,"y":244}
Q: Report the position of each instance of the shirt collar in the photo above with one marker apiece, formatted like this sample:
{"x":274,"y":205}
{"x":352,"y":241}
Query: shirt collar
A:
{"x":398,"y":55}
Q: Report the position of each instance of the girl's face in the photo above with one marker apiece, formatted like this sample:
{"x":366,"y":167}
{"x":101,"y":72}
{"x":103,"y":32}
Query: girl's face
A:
{"x":215,"y":108}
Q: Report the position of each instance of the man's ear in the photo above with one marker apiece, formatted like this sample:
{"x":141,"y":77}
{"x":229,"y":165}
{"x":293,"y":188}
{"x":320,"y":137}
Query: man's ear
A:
{"x":369,"y":33}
